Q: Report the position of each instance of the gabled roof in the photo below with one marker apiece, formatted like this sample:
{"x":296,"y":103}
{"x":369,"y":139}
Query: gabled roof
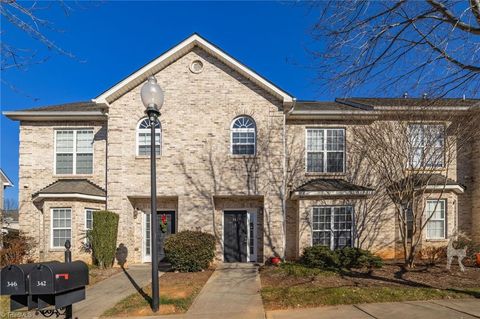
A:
{"x":178,"y":51}
{"x":5,"y":180}
{"x":71,"y":188}
{"x":331,"y":187}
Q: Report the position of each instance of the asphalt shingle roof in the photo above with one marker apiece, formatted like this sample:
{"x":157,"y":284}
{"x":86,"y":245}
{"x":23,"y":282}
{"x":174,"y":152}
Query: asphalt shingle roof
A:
{"x":398,"y":102}
{"x":72,"y":186}
{"x":330,"y":185}
{"x":76,"y":106}
{"x":322,"y":106}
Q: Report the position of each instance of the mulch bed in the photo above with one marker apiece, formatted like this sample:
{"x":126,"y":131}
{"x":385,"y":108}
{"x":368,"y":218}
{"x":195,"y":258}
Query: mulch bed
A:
{"x":391,"y":274}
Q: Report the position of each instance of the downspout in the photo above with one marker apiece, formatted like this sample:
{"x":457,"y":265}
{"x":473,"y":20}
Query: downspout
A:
{"x":284,"y":184}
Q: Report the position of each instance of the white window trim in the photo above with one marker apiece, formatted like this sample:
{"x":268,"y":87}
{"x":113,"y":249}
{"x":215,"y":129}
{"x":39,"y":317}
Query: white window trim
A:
{"x":325,"y":151}
{"x":248,"y":130}
{"x":137,"y":142}
{"x":444,"y":220}
{"x":74,"y":150}
{"x":85,"y":220}
{"x":51,"y":227}
{"x":427,"y":165}
{"x":332,"y":220}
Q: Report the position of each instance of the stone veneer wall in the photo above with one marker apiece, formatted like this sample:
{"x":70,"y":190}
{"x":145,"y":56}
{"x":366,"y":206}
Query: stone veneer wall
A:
{"x":36,"y":171}
{"x":196,"y":164}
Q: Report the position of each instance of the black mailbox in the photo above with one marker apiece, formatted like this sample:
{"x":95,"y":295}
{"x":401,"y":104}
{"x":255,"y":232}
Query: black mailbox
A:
{"x":58,"y":284}
{"x":14,"y":281}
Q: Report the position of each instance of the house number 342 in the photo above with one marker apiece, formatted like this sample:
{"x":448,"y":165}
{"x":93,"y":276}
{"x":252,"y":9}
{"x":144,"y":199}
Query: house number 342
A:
{"x":41,"y":283}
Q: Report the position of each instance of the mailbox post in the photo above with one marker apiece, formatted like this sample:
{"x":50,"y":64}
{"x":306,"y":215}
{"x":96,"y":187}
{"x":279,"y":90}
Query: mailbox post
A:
{"x":68,"y":259}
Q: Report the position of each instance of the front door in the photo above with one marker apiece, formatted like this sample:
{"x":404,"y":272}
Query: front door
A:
{"x":235,"y":236}
{"x":171,"y":229}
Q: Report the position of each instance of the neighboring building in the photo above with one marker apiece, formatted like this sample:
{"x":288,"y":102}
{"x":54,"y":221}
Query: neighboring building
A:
{"x":10,"y":221}
{"x":224,"y":164}
{"x":6,"y":182}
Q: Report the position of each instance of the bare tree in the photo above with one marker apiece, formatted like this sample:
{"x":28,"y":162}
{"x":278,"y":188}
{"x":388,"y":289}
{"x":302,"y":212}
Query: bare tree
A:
{"x":428,"y":46}
{"x":413,"y":151}
{"x":26,"y":17}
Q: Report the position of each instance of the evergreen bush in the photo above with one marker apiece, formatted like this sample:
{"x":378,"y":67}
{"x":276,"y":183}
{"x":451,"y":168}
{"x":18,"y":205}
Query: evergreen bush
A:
{"x":190,"y":251}
{"x":103,"y":238}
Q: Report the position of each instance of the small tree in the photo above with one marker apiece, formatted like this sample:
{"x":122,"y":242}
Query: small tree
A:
{"x":103,"y":238}
{"x":412,"y":151}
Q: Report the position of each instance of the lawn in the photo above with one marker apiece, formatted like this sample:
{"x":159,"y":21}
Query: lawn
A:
{"x":177,"y":293}
{"x":292,"y":285}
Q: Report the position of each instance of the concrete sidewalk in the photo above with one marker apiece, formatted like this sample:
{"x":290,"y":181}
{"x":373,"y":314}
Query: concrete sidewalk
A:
{"x":437,"y":309}
{"x":233,"y":291}
{"x":107,"y":293}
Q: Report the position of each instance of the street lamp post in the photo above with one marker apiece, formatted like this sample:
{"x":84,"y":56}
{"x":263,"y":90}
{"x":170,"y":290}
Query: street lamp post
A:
{"x":152,"y":99}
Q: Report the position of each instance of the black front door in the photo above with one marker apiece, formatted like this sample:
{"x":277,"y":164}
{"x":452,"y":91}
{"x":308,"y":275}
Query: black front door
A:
{"x":235,"y":236}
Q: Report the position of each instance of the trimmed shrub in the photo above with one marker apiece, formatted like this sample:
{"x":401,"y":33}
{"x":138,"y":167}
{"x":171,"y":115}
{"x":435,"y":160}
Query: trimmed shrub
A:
{"x":190,"y":251}
{"x":103,"y":238}
{"x":350,"y":257}
{"x":16,"y":248}
{"x":319,"y":256}
{"x":433,"y":255}
{"x":346,"y":258}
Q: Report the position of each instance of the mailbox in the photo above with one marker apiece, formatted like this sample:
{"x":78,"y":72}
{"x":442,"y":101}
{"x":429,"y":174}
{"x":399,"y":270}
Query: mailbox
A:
{"x":14,"y":282}
{"x":58,"y":284}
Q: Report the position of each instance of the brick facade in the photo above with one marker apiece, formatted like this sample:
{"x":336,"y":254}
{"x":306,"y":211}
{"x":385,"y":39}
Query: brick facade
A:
{"x":198,"y":178}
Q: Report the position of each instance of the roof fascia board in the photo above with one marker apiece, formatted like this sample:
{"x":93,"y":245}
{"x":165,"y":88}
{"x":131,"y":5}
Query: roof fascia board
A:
{"x":54,"y":115}
{"x":455,"y":188}
{"x":7,"y":182}
{"x":39,"y":197}
{"x":171,"y":55}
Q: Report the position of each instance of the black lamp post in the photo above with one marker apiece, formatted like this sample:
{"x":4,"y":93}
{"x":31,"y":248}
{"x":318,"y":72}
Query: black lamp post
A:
{"x":152,"y":99}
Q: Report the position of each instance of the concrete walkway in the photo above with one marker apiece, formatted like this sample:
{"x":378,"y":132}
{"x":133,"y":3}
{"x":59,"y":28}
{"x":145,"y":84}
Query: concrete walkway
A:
{"x":438,"y":309}
{"x":107,"y":293}
{"x":233,"y":291}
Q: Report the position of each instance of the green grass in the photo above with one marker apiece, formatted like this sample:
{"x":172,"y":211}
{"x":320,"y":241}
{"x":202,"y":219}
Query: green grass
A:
{"x":298,"y":270}
{"x":291,"y":297}
{"x":136,"y":301}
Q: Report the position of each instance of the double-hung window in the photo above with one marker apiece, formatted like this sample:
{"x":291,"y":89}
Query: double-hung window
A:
{"x":61,"y":226}
{"x":144,"y":130}
{"x":244,"y":136}
{"x":325,"y":151}
{"x":435,"y":210}
{"x":74,"y":151}
{"x":88,"y":221}
{"x":427,"y":143}
{"x":332,"y":226}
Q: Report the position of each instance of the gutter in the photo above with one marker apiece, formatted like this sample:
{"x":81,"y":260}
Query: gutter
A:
{"x":54,"y":115}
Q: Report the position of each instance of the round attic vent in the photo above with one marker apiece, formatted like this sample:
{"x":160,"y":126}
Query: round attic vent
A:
{"x":196,"y":66}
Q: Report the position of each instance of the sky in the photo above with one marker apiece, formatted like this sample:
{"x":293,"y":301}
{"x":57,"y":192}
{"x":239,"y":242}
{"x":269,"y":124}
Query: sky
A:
{"x":110,"y":40}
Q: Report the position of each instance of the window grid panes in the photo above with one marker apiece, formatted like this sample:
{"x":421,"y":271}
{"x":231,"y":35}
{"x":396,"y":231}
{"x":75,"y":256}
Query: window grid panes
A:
{"x":427,"y":145}
{"x":436,"y":225}
{"x":143,"y":138}
{"x":243,"y":136}
{"x":61,"y":226}
{"x":325,"y":151}
{"x":74,"y":152}
{"x":332,"y":226}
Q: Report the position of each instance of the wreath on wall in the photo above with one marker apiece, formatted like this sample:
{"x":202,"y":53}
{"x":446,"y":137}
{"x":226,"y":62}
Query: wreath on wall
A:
{"x":163,"y":223}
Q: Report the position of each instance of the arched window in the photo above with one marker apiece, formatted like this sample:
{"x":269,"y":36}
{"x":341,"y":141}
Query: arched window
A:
{"x":244,"y":136}
{"x":143,"y":137}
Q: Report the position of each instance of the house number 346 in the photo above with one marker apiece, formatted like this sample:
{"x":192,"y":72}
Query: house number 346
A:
{"x":12,"y":284}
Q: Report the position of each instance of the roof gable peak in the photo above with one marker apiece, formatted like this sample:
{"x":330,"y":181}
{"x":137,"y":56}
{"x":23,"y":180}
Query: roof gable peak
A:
{"x":176,"y":52}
